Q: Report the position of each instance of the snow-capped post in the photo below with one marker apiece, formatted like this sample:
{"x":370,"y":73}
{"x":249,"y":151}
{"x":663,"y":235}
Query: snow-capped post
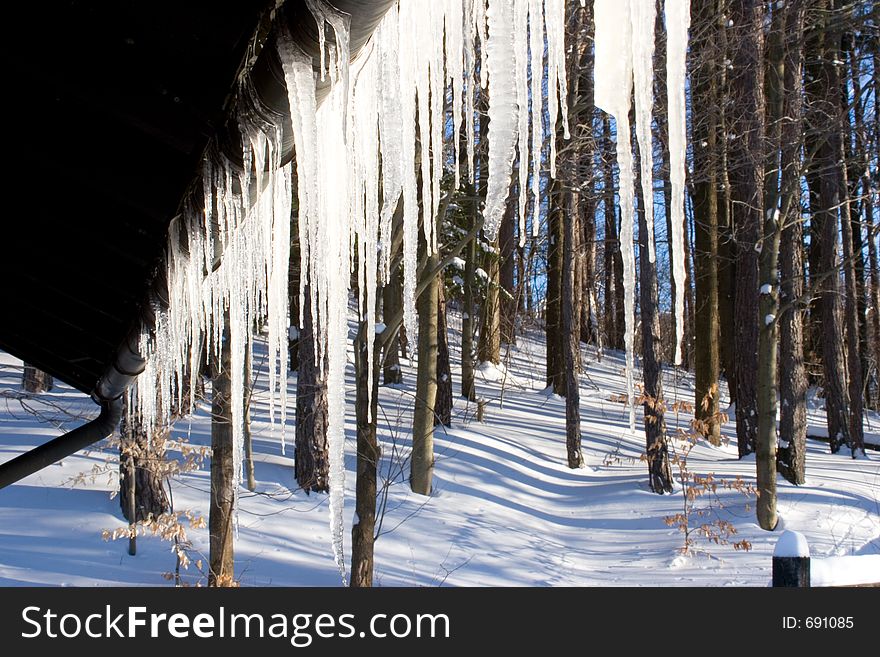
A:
{"x":791,"y":561}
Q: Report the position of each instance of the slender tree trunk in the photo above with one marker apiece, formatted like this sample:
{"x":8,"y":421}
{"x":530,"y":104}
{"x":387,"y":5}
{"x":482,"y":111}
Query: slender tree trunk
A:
{"x":363,"y":529}
{"x":793,"y":382}
{"x":391,"y":303}
{"x":506,"y":270}
{"x":248,"y":396}
{"x":613,"y":261}
{"x":141,"y":491}
{"x":657,"y":451}
{"x":874,"y":297}
{"x":570,"y":333}
{"x":443,"y":405}
{"x":489,"y":344}
{"x":553,"y":301}
{"x":823,"y":144}
{"x":422,"y":462}
{"x":221,"y":510}
{"x":747,"y":178}
{"x":293,"y":283}
{"x":869,"y":318}
{"x":468,"y":390}
{"x":311,"y":455}
{"x":858,"y":166}
{"x":707,"y":337}
{"x":34,"y":380}
{"x":768,"y":303}
{"x":578,"y":229}
{"x":851,"y":309}
{"x":589,"y":331}
{"x":727,"y":265}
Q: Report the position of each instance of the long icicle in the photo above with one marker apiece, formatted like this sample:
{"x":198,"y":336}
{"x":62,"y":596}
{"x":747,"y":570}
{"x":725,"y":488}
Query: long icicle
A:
{"x":613,"y":93}
{"x":678,"y":19}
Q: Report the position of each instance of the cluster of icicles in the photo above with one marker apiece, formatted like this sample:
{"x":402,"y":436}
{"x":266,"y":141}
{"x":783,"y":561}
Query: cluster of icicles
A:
{"x":393,"y":87}
{"x":624,"y":50}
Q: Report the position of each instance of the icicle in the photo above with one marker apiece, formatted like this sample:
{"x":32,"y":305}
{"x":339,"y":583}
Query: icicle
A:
{"x":613,"y":88}
{"x":437,"y":120}
{"x":317,"y":11}
{"x":408,"y":72}
{"x":521,"y":48}
{"x":469,"y":73}
{"x":481,"y":23}
{"x":678,"y":20}
{"x":240,"y":235}
{"x":390,"y":126}
{"x":454,"y":17}
{"x":643,"y":15}
{"x":503,"y":110}
{"x":624,"y":49}
{"x":334,"y":164}
{"x":536,"y":49}
{"x":557,"y":98}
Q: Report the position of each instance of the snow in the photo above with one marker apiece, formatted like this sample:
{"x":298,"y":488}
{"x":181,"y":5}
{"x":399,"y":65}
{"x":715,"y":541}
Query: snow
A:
{"x":506,"y":510}
{"x":845,"y":571}
{"x":769,"y":319}
{"x":766,"y":288}
{"x":791,"y":544}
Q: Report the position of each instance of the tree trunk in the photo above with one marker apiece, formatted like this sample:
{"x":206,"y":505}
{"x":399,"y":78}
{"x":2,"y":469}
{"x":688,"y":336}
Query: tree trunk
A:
{"x":553,"y":313}
{"x":612,"y":260}
{"x":34,"y":380}
{"x":489,"y":344}
{"x":857,"y":167}
{"x":221,"y":510}
{"x":141,"y":490}
{"x":656,"y":447}
{"x":293,"y":283}
{"x":443,"y":404}
{"x":707,"y":363}
{"x":570,"y":332}
{"x":507,"y":270}
{"x":363,"y":529}
{"x":391,"y":303}
{"x":589,"y":331}
{"x":422,"y":462}
{"x":726,"y":227}
{"x":822,"y":88}
{"x":793,"y":382}
{"x":468,"y":390}
{"x":248,"y":396}
{"x":747,"y":179}
{"x":851,"y":308}
{"x":768,"y":304}
{"x":311,"y":455}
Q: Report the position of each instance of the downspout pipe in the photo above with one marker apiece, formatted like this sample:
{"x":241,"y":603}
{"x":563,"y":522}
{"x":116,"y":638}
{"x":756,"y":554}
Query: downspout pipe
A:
{"x":107,"y":394}
{"x":63,"y":446}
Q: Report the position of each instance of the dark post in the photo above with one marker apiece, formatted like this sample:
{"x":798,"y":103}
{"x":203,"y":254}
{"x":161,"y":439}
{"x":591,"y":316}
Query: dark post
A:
{"x":791,"y":561}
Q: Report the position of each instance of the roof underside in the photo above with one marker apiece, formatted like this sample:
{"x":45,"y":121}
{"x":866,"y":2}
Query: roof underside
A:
{"x":111,"y":106}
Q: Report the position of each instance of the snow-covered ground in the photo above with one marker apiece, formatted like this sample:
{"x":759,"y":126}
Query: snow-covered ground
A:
{"x":505,"y":509}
